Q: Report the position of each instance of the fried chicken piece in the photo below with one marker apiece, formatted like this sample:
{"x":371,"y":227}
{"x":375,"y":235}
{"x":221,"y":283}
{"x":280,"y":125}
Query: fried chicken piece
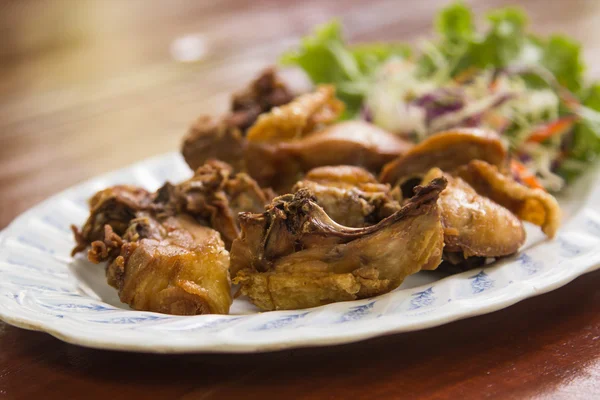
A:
{"x":280,"y":165}
{"x":474,"y":225}
{"x":299,"y":117}
{"x":294,"y":256}
{"x":532,"y":205}
{"x":224,"y":138}
{"x":174,"y":267}
{"x":209,"y":138}
{"x":115,"y":206}
{"x":446,"y":150}
{"x":215,"y":195}
{"x":264,"y":93}
{"x":276,"y":139}
{"x":161,"y":256}
{"x":351,"y":196}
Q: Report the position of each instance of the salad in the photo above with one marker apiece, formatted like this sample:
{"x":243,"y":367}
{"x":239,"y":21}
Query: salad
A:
{"x":529,"y":89}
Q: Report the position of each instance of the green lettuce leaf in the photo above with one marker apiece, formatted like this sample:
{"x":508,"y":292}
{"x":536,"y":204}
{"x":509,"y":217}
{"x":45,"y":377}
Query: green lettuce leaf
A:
{"x":586,"y":140}
{"x":562,"y":57}
{"x":455,"y":23}
{"x":326,"y":58}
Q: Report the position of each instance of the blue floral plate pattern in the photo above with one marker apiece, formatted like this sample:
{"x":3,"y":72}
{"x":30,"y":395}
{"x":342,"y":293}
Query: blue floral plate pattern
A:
{"x":43,"y":288}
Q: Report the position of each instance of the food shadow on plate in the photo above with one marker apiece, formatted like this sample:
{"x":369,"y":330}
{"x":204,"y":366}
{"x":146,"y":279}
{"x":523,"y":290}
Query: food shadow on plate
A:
{"x":91,"y":281}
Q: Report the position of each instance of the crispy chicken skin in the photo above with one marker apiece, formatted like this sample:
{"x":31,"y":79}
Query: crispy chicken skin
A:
{"x":446,"y":150}
{"x":115,"y":206}
{"x":281,"y":164}
{"x":532,"y":205}
{"x":294,"y":256}
{"x":297,"y":118}
{"x":351,"y":196}
{"x":474,"y":225}
{"x":224,"y":138}
{"x":342,"y":176}
{"x":173,"y":267}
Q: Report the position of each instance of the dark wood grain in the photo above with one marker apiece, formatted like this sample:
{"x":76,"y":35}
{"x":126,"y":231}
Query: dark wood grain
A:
{"x":90,"y":86}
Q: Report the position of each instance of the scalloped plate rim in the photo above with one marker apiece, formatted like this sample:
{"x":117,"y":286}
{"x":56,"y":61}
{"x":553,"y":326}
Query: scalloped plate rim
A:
{"x":230,"y":344}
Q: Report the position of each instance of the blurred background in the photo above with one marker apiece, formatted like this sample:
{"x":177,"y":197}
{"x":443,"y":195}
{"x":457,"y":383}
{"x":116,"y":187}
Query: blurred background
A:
{"x":90,"y":86}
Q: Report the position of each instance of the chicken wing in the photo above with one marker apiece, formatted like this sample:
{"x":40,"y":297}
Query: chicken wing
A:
{"x":294,"y":256}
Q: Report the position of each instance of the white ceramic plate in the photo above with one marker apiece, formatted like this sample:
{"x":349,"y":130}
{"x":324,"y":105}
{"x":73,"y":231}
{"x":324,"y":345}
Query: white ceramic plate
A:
{"x":43,"y":288}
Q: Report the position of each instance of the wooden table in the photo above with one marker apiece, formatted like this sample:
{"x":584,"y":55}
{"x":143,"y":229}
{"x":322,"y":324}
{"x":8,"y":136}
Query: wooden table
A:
{"x":90,"y":86}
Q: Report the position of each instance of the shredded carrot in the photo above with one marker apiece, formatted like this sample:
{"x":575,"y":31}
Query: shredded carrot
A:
{"x":494,"y":85}
{"x":558,"y":127}
{"x":525,"y":175}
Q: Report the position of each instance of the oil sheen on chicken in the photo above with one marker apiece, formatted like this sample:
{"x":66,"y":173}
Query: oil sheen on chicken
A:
{"x":532,"y":205}
{"x":181,"y":268}
{"x":281,"y":164}
{"x":474,"y":225}
{"x":446,"y":150}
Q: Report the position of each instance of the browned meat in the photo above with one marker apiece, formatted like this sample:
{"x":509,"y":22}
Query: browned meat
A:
{"x":301,"y":116}
{"x":215,"y":196}
{"x":115,"y":206}
{"x":264,"y":93}
{"x":161,"y":256}
{"x":280,"y":165}
{"x":209,"y":138}
{"x":179,"y":268}
{"x":532,"y":205}
{"x":474,"y":225}
{"x":294,"y":256}
{"x":285,"y":139}
{"x":446,"y":150}
{"x":224,"y":139}
{"x":351,"y":196}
